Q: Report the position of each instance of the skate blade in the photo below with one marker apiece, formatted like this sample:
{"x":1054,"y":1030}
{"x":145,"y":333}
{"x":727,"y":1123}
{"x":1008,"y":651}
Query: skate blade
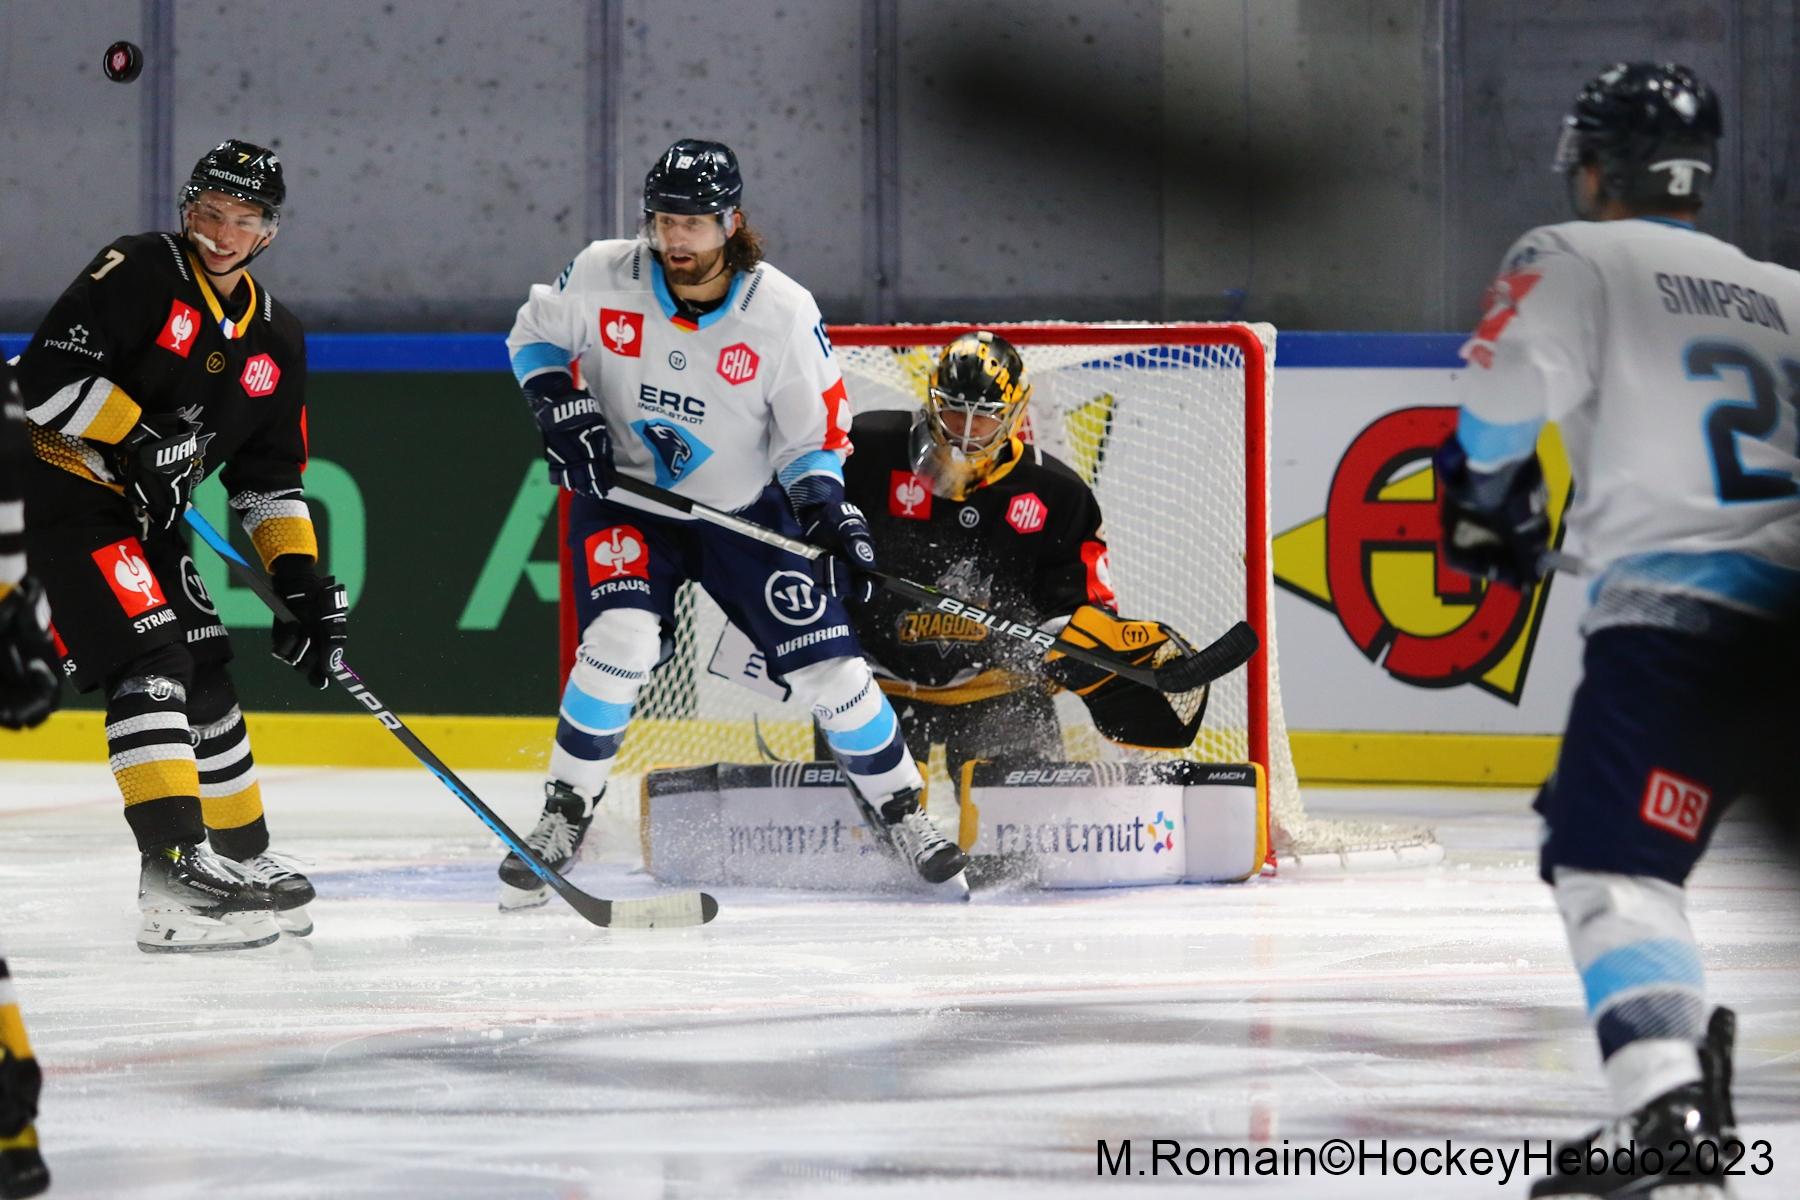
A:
{"x":191,"y":933}
{"x":514,"y":899}
{"x":295,"y":922}
{"x":954,"y":890}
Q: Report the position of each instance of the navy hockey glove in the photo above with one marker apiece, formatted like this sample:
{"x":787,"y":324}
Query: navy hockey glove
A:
{"x":160,"y":470}
{"x":1496,"y":525}
{"x":576,"y":443}
{"x":838,"y":526}
{"x":313,"y":642}
{"x":29,"y":682}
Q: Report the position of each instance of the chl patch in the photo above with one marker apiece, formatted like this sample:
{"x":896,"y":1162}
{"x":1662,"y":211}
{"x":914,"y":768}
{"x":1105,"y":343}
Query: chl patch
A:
{"x":738,"y":363}
{"x":178,"y":331}
{"x":617,"y":552}
{"x":260,"y":375}
{"x":1026,"y":513}
{"x":622,"y":332}
{"x":1675,"y":805}
{"x":128,"y":573}
{"x":908,"y":496}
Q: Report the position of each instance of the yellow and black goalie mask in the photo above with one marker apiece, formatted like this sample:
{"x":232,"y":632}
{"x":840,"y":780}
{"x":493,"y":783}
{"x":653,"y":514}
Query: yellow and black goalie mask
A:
{"x":974,"y":404}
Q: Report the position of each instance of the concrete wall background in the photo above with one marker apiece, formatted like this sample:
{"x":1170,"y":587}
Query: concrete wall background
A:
{"x":1319,"y":163}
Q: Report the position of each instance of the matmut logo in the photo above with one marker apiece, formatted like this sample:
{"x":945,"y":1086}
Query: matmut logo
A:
{"x":622,"y":332}
{"x":1372,"y":560}
{"x":260,"y":375}
{"x":178,"y":331}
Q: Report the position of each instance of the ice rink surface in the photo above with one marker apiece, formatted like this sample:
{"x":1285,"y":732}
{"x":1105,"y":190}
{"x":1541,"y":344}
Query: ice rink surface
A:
{"x":422,"y":1044}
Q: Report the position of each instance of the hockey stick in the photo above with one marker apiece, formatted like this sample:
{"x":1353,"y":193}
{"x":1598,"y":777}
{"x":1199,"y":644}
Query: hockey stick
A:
{"x":651,"y":912}
{"x":1229,"y":651}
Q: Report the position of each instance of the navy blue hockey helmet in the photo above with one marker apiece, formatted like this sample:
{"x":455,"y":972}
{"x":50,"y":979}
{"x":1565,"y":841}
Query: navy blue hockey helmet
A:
{"x":1651,"y":128}
{"x":245,"y":170}
{"x":694,"y":177}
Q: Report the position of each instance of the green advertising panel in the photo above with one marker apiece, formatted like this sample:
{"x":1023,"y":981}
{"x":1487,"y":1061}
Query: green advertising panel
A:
{"x":433,"y":506}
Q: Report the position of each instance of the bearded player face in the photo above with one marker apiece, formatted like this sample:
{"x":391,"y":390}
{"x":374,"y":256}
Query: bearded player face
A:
{"x":692,"y":246}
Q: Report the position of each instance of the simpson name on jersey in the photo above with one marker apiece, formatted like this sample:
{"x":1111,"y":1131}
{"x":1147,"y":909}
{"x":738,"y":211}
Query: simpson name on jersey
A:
{"x":755,"y":371}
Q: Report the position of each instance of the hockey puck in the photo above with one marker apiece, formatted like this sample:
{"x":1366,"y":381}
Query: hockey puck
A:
{"x":123,"y":62}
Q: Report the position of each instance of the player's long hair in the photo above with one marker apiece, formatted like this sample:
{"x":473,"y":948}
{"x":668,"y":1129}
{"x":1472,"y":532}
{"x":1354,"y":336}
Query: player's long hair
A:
{"x":745,"y":247}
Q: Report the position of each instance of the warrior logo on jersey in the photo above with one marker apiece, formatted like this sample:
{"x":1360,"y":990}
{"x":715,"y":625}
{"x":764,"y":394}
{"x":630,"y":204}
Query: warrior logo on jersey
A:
{"x":908,"y":496}
{"x":622,"y":332}
{"x":1373,"y":561}
{"x":676,"y":452}
{"x":617,"y":552}
{"x":1026,"y":513}
{"x":738,"y":363}
{"x":260,"y":375}
{"x":794,"y":598}
{"x":178,"y":332}
{"x":128,"y":573}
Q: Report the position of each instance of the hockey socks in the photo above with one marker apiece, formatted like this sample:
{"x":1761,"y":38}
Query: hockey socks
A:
{"x":152,"y":759}
{"x":618,"y":650}
{"x":230,"y":796}
{"x":1640,"y":968}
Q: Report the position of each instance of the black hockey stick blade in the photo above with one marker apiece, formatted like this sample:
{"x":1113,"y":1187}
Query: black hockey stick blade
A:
{"x":649,"y":912}
{"x":1229,"y":651}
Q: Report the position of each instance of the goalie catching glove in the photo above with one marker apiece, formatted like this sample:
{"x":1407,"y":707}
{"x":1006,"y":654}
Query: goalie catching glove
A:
{"x":1125,"y":711}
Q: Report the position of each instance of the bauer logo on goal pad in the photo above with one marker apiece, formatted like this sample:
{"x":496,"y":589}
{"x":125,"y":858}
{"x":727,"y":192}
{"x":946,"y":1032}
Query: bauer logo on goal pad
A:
{"x":1675,"y":805}
{"x":622,"y":332}
{"x":617,"y":553}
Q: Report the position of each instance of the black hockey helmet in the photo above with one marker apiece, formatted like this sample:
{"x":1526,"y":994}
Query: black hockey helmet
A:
{"x":247,"y":171}
{"x":1651,"y":128}
{"x":694,"y":177}
{"x":980,"y":377}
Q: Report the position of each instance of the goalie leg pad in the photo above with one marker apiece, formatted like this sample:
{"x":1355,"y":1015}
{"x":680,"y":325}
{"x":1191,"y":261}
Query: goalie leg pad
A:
{"x":859,"y":726}
{"x":618,"y":650}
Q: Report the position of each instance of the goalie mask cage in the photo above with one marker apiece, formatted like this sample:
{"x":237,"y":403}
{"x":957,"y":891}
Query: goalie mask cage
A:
{"x":1170,"y":426}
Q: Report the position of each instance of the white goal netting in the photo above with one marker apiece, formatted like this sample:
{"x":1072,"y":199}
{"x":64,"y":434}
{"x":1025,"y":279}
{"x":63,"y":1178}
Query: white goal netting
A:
{"x":1169,"y":425}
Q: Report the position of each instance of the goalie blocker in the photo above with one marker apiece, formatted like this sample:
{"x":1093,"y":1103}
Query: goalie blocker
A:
{"x":1064,"y":825}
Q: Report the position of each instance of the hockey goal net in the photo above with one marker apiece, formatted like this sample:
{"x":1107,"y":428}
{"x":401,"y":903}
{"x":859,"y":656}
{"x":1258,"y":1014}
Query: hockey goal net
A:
{"x":1170,"y":426}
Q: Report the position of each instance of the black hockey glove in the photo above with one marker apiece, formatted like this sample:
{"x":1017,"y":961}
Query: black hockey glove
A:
{"x":313,"y":642}
{"x":29,"y":683}
{"x":838,"y":526}
{"x":1495,"y":525}
{"x":20,"y":1083}
{"x":576,"y":443}
{"x":160,"y":470}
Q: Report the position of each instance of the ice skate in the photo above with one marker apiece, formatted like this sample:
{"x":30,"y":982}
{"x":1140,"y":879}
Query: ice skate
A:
{"x":1697,"y":1116}
{"x":191,"y":900}
{"x":916,"y":838}
{"x":556,"y":839}
{"x":288,"y":889}
{"x":22,"y":1169}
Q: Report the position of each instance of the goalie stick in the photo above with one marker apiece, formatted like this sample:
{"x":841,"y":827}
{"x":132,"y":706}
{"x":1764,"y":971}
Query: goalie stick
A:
{"x":651,"y":912}
{"x":1225,"y":654}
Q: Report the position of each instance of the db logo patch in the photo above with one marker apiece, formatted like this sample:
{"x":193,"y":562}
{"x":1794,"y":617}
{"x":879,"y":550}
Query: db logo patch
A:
{"x":793,"y":598}
{"x":130,"y":577}
{"x":260,"y":375}
{"x":622,"y":332}
{"x":617,"y":553}
{"x":1026,"y":513}
{"x":908,"y":496}
{"x":738,"y":363}
{"x":178,"y":332}
{"x":1675,"y":805}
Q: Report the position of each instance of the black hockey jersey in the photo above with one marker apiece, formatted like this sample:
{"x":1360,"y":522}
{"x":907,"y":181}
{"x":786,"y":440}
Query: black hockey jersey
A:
{"x":13,"y":456}
{"x":1028,"y":541}
{"x":142,"y":331}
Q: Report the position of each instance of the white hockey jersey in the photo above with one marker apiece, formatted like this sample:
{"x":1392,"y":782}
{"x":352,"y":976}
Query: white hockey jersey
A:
{"x":711,"y":408}
{"x":1670,"y":361}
